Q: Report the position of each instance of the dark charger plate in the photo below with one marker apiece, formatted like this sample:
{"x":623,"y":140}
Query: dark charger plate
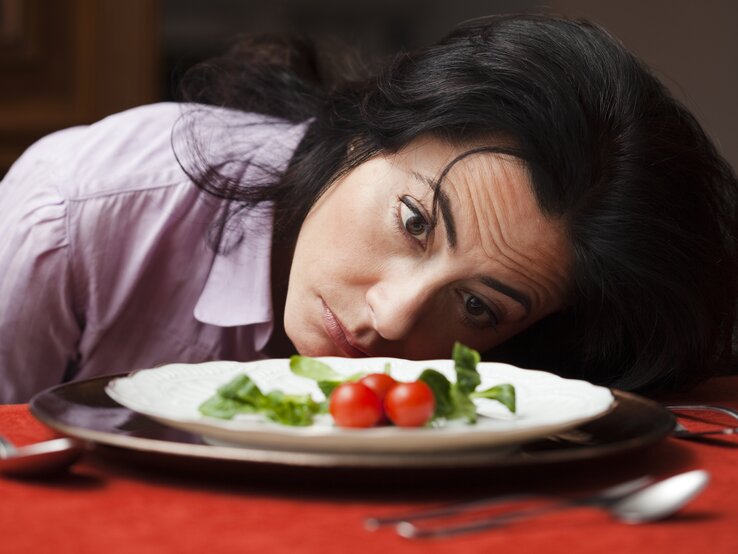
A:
{"x":82,"y":409}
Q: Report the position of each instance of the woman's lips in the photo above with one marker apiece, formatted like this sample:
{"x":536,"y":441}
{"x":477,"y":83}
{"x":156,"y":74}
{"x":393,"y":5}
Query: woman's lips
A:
{"x":339,"y":335}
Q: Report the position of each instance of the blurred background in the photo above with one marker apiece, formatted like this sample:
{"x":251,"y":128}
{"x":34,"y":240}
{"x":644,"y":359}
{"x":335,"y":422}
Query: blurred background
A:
{"x":70,"y":62}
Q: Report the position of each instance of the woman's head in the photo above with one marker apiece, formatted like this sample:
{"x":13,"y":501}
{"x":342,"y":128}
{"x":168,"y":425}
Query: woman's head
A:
{"x":637,"y":207}
{"x":389,"y":263}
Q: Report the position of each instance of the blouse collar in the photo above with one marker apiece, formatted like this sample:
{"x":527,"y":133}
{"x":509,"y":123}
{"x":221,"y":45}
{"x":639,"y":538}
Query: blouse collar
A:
{"x":238,"y":288}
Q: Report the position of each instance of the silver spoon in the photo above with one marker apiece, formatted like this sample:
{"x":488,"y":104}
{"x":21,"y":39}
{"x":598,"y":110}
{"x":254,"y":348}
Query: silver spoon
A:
{"x":649,"y":503}
{"x":41,"y":458}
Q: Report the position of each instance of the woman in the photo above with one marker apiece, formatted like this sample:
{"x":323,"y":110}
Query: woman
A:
{"x":524,"y":186}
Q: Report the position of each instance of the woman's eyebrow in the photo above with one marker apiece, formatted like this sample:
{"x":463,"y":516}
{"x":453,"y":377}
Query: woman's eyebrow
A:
{"x":519,"y":297}
{"x":444,"y":204}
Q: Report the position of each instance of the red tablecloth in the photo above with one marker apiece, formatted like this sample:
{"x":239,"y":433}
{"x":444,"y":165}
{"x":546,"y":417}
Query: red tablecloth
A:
{"x":109,"y":508}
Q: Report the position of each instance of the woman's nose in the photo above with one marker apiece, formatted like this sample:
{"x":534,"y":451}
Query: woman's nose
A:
{"x":396,"y":305}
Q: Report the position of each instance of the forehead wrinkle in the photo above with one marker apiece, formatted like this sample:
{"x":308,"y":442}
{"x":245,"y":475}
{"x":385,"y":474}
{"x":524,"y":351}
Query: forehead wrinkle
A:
{"x":495,"y":244}
{"x":530,"y":247}
{"x":499,"y":250}
{"x":539,"y":250}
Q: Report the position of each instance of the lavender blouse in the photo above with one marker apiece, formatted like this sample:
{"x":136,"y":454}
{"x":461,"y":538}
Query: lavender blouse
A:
{"x":104,"y":260}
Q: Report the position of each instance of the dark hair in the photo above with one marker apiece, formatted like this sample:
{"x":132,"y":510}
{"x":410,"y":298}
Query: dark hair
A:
{"x":648,"y":204}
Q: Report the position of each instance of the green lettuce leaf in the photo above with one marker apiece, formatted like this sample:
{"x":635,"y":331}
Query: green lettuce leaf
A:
{"x":464,"y":408}
{"x":242,"y":395}
{"x":502,"y":393}
{"x":217,"y":406}
{"x":441,"y":388}
{"x":291,"y":409}
{"x":465,"y":363}
{"x":310,"y":368}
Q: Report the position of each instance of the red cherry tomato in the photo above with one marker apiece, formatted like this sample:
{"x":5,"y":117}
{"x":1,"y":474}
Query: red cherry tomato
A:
{"x":380,"y":383}
{"x":410,"y":404}
{"x":355,"y":405}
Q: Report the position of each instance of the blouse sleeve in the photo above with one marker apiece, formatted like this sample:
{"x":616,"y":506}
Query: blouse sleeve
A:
{"x":39,"y":328}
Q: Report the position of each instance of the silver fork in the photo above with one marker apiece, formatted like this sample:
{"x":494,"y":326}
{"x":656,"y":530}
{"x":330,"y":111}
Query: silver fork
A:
{"x":681,"y":432}
{"x":405,"y":519}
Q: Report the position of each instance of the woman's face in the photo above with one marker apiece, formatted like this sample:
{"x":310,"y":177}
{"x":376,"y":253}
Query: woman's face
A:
{"x":372,"y":276}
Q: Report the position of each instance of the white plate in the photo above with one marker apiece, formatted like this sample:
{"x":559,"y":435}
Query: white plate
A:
{"x":546,"y":404}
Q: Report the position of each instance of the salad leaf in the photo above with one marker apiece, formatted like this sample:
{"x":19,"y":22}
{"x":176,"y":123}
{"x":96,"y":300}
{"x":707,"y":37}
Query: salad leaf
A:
{"x":242,"y":389}
{"x":217,"y":406}
{"x":456,"y":400}
{"x":291,"y":409}
{"x":465,"y":363}
{"x":242,"y":395}
{"x":327,"y":387}
{"x":326,"y":377}
{"x":304,"y":366}
{"x":463,"y":405}
{"x":441,"y":388}
{"x":502,"y":393}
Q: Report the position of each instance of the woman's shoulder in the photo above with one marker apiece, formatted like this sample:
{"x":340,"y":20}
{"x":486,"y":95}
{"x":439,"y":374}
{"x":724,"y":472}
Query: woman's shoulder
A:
{"x":151,"y":146}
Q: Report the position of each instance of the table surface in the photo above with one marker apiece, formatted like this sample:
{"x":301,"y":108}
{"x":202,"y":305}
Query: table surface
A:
{"x":104,"y":505}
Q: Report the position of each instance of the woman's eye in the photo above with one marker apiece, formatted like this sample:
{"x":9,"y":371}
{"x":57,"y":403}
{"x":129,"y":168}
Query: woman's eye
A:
{"x":474,"y":306}
{"x":477,"y":313}
{"x":412,"y":220}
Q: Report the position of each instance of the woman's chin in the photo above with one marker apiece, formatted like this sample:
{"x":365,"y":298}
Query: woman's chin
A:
{"x":316,"y":349}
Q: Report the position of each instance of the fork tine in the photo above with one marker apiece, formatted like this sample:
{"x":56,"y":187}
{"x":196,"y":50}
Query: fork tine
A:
{"x":706,"y":408}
